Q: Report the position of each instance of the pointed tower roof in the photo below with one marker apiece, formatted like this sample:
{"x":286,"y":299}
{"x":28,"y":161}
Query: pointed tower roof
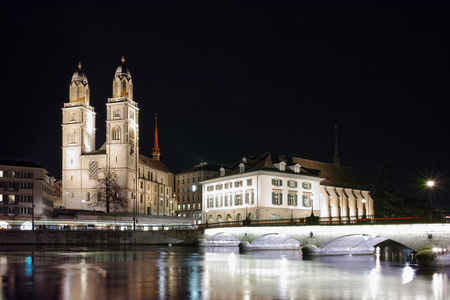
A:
{"x":336,"y":159}
{"x":156,"y":153}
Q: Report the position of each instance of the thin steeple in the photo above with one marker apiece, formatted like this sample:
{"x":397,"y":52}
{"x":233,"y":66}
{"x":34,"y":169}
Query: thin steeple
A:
{"x":156,"y":154}
{"x":336,"y":159}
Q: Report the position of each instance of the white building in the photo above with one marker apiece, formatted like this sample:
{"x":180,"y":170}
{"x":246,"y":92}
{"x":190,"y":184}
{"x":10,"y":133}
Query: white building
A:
{"x":145,"y":182}
{"x":270,"y":186}
{"x":24,"y":185}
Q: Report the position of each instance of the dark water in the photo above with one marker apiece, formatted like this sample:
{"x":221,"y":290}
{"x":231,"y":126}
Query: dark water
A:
{"x":190,"y":273}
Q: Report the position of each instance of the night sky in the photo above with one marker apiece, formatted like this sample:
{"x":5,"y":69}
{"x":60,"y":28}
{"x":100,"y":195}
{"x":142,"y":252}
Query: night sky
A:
{"x":235,"y":78}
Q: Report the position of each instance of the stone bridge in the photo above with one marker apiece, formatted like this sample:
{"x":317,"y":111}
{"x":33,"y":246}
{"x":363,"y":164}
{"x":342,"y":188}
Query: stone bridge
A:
{"x":413,"y":236}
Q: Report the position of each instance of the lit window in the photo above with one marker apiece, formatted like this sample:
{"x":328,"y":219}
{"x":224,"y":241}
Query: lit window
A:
{"x":1,"y":173}
{"x":219,"y":186}
{"x":238,"y":183}
{"x":238,"y":199}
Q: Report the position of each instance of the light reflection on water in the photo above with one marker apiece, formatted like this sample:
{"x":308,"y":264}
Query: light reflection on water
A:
{"x":208,"y":273}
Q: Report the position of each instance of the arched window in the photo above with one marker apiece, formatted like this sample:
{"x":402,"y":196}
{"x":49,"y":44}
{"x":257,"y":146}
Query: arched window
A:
{"x":229,"y":219}
{"x":219,"y":218}
{"x":117,"y":113}
{"x":210,"y":219}
{"x":116,"y":133}
{"x":239,"y":217}
{"x":72,"y":139}
{"x":124,"y":88}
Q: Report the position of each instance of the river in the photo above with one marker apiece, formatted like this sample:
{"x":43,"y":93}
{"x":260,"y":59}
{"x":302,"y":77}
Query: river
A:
{"x":151,"y":272}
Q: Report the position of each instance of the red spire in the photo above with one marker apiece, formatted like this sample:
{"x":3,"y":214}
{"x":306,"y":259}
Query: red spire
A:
{"x":156,"y":154}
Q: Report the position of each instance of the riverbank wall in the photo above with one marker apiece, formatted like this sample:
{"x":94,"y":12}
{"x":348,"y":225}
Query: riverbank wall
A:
{"x":99,"y":237}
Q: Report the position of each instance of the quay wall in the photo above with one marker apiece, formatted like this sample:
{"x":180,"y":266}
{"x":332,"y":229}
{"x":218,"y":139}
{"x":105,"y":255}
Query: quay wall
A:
{"x":99,"y":237}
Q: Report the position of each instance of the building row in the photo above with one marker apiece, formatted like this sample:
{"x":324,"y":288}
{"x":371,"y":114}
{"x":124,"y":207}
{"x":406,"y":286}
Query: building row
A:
{"x":264,"y":186}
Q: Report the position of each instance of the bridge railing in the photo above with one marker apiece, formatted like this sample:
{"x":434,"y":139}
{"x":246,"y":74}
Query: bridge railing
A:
{"x":317,"y":221}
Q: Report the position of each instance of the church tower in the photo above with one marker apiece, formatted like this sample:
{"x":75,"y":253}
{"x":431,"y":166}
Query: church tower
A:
{"x":122,"y":132}
{"x":78,"y":136}
{"x":156,"y":154}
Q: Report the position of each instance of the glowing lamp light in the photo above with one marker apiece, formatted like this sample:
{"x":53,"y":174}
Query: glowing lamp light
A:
{"x":430,"y":183}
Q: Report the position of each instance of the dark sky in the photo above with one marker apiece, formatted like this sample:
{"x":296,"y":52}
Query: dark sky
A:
{"x":235,"y":78}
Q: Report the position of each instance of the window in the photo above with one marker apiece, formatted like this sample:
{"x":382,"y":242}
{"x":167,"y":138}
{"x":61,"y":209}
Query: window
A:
{"x":116,"y":133}
{"x":238,"y":199}
{"x":292,"y":183}
{"x":210,"y":188}
{"x":277,"y":198}
{"x":238,"y":183}
{"x":219,"y":186}
{"x":277,"y":182}
{"x":117,"y":113}
{"x":249,"y":182}
{"x":12,"y":198}
{"x":93,"y":170}
{"x":1,"y":197}
{"x":292,"y":199}
{"x":72,"y":139}
{"x":306,"y":200}
{"x":225,"y":203}
{"x":1,"y":173}
{"x":241,"y":168}
{"x":210,"y":202}
{"x":11,"y":210}
{"x":306,"y":185}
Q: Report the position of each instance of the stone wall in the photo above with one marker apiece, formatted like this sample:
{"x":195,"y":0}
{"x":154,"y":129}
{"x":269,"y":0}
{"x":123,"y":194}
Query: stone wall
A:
{"x":102,"y":237}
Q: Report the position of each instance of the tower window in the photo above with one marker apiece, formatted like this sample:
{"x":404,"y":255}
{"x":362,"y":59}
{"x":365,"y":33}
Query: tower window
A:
{"x":116,"y":134}
{"x":117,"y":113}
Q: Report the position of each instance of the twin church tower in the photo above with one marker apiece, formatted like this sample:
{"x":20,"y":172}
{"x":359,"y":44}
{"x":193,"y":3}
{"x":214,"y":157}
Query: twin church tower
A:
{"x":145,"y":182}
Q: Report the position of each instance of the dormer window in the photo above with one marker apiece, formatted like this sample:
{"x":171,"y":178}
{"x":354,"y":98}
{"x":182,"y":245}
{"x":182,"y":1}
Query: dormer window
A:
{"x":244,"y":160}
{"x":241,"y":168}
{"x":222,"y":172}
{"x":281,"y":166}
{"x":295,"y":168}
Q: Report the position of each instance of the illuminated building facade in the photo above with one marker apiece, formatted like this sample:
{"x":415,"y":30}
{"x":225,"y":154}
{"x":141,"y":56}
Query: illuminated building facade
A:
{"x":145,"y":182}
{"x":22,"y":185}
{"x":270,"y":186}
{"x":189,"y":190}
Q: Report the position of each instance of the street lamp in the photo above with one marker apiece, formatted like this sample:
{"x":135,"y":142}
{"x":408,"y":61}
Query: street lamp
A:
{"x":430,"y":185}
{"x":364,"y":216}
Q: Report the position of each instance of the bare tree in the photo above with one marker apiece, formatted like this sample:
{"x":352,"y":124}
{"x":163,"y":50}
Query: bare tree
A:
{"x":107,"y":192}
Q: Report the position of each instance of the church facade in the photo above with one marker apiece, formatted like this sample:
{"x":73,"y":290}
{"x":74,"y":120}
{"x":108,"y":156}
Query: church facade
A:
{"x":145,"y":182}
